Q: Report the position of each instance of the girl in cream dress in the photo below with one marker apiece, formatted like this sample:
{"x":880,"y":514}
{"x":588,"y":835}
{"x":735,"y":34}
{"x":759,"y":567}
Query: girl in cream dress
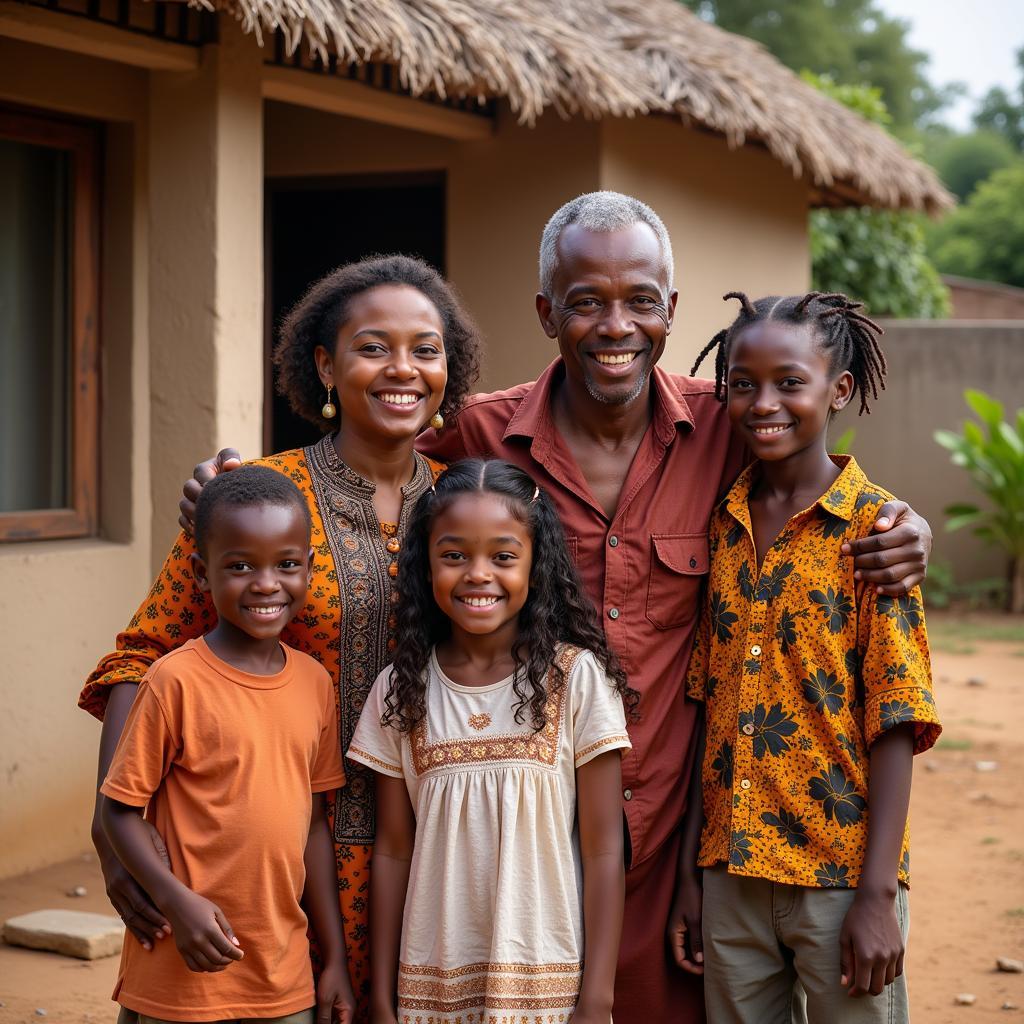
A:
{"x":496,"y":737}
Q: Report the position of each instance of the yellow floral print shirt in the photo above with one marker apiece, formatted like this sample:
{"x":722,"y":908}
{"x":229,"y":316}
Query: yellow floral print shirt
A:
{"x":801,"y":669}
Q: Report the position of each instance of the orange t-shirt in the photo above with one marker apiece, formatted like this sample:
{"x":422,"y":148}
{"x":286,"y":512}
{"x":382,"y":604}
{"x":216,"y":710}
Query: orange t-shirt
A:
{"x":226,"y":762}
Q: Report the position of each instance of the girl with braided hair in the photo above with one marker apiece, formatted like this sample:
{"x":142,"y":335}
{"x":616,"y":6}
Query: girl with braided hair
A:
{"x":816,"y":691}
{"x":496,"y":737}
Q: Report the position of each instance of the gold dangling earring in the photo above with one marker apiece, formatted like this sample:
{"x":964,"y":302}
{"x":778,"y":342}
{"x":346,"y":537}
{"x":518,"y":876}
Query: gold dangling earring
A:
{"x":328,"y":411}
{"x":437,"y":421}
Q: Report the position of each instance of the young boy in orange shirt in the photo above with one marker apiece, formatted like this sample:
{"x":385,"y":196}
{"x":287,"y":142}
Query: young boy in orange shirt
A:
{"x":817,"y":695}
{"x":230,"y":745}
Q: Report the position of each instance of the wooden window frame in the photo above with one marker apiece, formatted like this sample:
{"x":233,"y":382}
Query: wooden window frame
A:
{"x":83,"y":142}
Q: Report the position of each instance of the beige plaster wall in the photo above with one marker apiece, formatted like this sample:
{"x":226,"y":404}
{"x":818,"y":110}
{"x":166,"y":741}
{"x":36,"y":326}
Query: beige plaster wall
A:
{"x":500,"y":192}
{"x":737,"y":219}
{"x":206,"y":266}
{"x":63,"y":601}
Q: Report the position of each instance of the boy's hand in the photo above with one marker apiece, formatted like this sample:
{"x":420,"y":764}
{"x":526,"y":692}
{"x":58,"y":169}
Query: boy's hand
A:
{"x":334,"y":999}
{"x":684,"y":927}
{"x":870,"y":945}
{"x":202,"y":933}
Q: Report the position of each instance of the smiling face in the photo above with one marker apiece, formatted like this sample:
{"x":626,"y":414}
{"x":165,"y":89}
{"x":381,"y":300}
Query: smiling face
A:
{"x":389,"y":363}
{"x":480,"y":559}
{"x":611,"y":309}
{"x":256,"y":567}
{"x":781,"y":392}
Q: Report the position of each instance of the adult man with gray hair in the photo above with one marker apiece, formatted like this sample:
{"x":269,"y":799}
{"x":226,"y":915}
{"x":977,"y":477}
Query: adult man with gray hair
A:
{"x":635,"y":459}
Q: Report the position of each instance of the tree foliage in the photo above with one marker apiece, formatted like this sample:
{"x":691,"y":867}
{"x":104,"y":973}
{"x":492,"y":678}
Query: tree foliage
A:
{"x":852,"y":41}
{"x":984,"y":238}
{"x":1002,"y":112}
{"x":877,"y":256}
{"x":963,"y":161}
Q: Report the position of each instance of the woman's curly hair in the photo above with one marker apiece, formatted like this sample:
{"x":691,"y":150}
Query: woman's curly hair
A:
{"x":557,"y":609}
{"x":317,"y":316}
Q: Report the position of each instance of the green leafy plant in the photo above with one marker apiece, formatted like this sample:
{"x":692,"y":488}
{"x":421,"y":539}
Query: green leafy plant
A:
{"x":994,"y":458}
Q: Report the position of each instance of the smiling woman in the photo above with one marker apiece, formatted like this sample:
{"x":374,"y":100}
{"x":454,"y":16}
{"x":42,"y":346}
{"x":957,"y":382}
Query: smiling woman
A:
{"x":390,"y":339}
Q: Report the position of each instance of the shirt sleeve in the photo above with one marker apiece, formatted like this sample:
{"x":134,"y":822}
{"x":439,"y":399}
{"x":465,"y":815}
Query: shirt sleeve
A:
{"x":446,"y":445}
{"x":147,"y":748}
{"x":598,"y":717}
{"x":700,"y":655}
{"x":896,"y":667}
{"x":175,"y":610}
{"x":377,"y":746}
{"x":327,"y":772}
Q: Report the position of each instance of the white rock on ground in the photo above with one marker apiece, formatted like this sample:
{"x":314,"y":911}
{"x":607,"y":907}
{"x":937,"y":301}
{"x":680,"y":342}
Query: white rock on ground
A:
{"x":1009,"y":966}
{"x":70,"y":932}
{"x":966,"y":999}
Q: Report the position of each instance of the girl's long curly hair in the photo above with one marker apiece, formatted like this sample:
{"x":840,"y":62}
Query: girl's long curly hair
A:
{"x":557,"y":609}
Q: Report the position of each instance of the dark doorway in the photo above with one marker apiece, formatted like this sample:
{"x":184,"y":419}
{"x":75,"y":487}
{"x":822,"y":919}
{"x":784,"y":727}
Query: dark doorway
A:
{"x":315,"y":225}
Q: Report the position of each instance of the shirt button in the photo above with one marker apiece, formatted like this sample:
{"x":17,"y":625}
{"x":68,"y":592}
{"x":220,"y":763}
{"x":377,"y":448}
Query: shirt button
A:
{"x":627,"y":794}
{"x":613,"y":541}
{"x":613,"y":613}
{"x":748,"y":729}
{"x":755,"y":651}
{"x":745,"y":784}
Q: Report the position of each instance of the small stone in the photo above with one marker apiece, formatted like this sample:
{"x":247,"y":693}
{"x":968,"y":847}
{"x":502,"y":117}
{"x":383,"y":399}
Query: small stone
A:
{"x":1009,"y":966}
{"x":69,"y":932}
{"x":966,"y":999}
{"x":986,"y":766}
{"x":930,"y":766}
{"x":975,"y":681}
{"x":40,"y":1012}
{"x":979,"y":797}
{"x":79,"y":890}
{"x":1008,"y":1006}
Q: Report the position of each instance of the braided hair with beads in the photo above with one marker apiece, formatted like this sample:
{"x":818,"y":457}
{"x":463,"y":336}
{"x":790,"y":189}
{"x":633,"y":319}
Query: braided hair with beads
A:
{"x":849,"y":338}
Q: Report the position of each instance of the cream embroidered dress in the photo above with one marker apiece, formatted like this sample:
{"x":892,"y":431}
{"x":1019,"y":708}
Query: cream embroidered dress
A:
{"x":493,"y":924}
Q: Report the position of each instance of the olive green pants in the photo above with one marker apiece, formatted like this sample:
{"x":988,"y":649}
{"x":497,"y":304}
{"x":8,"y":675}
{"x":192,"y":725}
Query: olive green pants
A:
{"x":771,"y":955}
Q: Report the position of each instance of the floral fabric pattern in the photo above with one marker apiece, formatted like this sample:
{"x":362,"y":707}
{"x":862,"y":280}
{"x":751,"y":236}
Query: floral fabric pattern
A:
{"x":801,"y":668}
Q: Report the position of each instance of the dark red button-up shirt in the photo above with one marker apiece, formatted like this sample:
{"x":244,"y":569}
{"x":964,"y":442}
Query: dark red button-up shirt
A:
{"x":643,"y":568}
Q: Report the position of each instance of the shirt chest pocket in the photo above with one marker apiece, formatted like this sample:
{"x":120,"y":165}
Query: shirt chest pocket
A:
{"x":679,"y":563}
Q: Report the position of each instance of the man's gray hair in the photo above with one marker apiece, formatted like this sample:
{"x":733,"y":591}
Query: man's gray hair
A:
{"x":599,"y":211}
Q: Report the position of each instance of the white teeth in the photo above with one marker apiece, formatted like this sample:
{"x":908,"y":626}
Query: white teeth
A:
{"x":397,"y":399}
{"x":771,"y":430}
{"x":617,"y":360}
{"x":269,"y":610}
{"x":479,"y":602}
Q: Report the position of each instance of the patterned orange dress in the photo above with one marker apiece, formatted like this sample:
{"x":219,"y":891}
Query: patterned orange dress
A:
{"x":346,"y":625}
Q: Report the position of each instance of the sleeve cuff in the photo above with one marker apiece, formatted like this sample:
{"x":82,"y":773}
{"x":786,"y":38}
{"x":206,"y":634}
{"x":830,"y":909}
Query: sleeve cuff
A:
{"x":326,"y":785}
{"x":899,"y":706}
{"x":364,"y":757}
{"x":617,"y":741}
{"x":125,"y":796}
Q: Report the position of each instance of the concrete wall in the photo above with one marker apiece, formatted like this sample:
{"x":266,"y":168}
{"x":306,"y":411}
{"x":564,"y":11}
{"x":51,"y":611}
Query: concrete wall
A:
{"x":63,"y":601}
{"x":931,"y":363}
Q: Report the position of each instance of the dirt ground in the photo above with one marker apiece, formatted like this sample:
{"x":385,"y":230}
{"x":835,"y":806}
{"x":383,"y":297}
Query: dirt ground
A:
{"x":968,"y":867}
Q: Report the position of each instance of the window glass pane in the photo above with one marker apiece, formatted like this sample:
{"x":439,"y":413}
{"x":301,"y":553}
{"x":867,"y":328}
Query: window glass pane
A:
{"x":35,"y":421}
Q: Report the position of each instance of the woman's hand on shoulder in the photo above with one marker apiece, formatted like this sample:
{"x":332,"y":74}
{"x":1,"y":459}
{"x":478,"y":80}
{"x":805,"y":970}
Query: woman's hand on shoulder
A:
{"x":224,"y":461}
{"x":335,"y":1003}
{"x":893,"y":558}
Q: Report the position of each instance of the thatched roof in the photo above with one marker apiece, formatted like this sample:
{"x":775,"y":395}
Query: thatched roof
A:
{"x":602,"y":58}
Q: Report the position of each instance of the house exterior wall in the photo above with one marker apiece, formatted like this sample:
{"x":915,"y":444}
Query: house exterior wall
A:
{"x":737,"y":220}
{"x":63,"y":601}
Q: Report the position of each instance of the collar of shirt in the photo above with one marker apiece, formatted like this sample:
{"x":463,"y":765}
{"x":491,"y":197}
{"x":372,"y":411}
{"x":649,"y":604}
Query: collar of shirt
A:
{"x":534,"y":420}
{"x":839,"y":500}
